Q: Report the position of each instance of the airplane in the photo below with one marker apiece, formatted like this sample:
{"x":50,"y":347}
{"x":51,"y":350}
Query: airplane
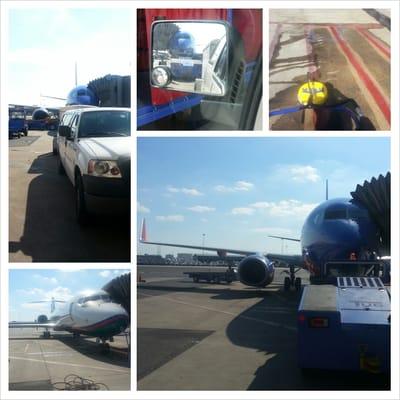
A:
{"x":338,"y":236}
{"x":96,"y":315}
{"x":79,"y":95}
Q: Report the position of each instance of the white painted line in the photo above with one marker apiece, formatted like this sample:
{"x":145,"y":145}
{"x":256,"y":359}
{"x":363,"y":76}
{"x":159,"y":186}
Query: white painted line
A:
{"x":69,"y":364}
{"x":270,"y":323}
{"x":26,"y":347}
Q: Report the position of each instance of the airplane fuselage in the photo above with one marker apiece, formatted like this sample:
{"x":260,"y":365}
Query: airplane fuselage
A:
{"x":337,"y":230}
{"x":94,"y":315}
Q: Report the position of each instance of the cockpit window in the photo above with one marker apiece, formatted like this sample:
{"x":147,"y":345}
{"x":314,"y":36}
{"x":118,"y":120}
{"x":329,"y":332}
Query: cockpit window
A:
{"x":335,"y":213}
{"x":105,"y":298}
{"x":350,"y":212}
{"x":357,"y":213}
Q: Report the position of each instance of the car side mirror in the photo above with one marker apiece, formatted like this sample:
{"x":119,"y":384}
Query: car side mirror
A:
{"x":64,"y":131}
{"x":190,"y":56}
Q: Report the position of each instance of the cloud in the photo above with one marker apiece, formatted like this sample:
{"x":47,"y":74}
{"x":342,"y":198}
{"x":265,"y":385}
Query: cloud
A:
{"x":46,"y":279}
{"x":108,"y":272}
{"x":170,"y":218}
{"x":285,"y":208}
{"x":304,"y":173}
{"x":201,"y":209}
{"x":37,"y":294}
{"x":242,"y":211}
{"x":142,"y":209}
{"x":239,"y":186}
{"x":187,"y":191}
{"x":271,"y":230}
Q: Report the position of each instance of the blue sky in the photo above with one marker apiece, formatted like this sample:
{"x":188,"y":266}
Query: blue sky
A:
{"x":44,"y":44}
{"x":27,"y":285}
{"x":236,"y":191}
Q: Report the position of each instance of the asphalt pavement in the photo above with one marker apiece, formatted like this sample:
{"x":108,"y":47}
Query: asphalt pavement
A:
{"x":42,"y":223}
{"x":202,"y":336}
{"x":347,"y":49}
{"x":64,"y":363}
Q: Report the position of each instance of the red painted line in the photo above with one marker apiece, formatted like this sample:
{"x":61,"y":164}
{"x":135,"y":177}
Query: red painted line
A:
{"x":363,"y":74}
{"x":385,"y":50}
{"x":274,"y":41}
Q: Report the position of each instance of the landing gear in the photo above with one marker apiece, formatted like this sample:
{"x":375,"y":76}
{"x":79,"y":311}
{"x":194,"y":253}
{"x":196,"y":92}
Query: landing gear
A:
{"x":292,"y":280}
{"x":104,"y":346}
{"x":46,"y":334}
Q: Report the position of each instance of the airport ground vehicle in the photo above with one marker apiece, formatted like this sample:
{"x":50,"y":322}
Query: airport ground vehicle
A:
{"x":17,"y":124}
{"x":94,"y":152}
{"x":213,"y":276}
{"x":62,"y":111}
{"x":199,"y":69}
{"x":353,"y":317}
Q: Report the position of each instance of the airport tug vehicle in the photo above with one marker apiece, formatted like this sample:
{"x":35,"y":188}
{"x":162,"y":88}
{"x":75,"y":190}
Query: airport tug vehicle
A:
{"x":345,"y":325}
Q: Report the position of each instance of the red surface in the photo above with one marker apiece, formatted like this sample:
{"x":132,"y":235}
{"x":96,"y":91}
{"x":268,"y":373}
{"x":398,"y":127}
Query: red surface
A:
{"x":363,"y":74}
{"x":385,"y":50}
{"x":247,"y":22}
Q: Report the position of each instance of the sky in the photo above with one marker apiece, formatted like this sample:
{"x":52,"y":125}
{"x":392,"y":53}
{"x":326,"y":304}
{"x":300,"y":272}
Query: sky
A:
{"x":27,"y":285}
{"x":45,"y":43}
{"x":237,"y":191}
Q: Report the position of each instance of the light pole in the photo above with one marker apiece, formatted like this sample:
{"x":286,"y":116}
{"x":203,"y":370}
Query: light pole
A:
{"x":204,"y":235}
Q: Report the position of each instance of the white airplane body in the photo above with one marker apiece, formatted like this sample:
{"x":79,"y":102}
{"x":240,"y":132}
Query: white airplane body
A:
{"x":96,"y":315}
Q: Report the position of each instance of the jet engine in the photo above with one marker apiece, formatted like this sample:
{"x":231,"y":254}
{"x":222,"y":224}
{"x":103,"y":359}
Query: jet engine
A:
{"x":40,"y":114}
{"x":42,"y":319}
{"x":256,"y":270}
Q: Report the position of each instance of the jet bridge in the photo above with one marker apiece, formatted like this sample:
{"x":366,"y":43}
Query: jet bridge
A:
{"x":119,"y":290}
{"x":375,"y":196}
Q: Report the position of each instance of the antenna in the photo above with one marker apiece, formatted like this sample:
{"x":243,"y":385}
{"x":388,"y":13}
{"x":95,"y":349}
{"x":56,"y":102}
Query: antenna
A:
{"x":76,"y":73}
{"x":326,"y":190}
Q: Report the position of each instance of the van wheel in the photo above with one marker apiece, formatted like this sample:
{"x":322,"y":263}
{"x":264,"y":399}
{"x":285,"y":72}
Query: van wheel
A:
{"x":82,"y":215}
{"x":60,"y":167}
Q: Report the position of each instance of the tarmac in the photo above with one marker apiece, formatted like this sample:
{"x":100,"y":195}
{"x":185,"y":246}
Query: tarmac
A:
{"x":348,"y":50}
{"x":202,"y":336}
{"x":42,"y":223}
{"x":36,"y":363}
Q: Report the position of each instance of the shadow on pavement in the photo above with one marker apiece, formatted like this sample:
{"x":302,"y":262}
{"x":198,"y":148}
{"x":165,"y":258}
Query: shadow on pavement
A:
{"x":51,"y":232}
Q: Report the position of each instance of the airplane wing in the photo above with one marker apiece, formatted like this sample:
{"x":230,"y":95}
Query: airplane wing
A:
{"x":31,"y":325}
{"x":296,"y":260}
{"x":284,"y":238}
{"x":222,"y":252}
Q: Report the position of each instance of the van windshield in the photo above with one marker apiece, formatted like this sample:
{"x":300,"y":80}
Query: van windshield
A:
{"x":105,"y":123}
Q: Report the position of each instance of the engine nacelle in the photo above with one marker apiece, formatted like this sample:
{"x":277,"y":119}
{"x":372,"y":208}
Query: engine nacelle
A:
{"x":40,"y":114}
{"x":256,"y":270}
{"x":42,"y":319}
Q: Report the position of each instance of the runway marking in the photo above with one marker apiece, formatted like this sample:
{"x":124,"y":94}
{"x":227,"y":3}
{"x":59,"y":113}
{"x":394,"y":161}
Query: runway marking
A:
{"x":383,"y":50}
{"x":274,"y":324}
{"x":68,"y":364}
{"x":362,"y":73}
{"x":26,"y":347}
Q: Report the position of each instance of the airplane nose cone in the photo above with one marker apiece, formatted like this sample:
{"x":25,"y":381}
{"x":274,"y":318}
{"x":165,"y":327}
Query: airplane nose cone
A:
{"x":349,"y":238}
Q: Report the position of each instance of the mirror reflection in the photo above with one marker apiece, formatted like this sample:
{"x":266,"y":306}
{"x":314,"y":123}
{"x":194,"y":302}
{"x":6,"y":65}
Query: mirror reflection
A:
{"x":190,"y":56}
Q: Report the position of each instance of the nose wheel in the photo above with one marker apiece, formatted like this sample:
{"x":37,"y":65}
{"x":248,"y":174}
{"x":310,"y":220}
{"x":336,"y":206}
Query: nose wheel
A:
{"x":104,"y":346}
{"x":292,"y":280}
